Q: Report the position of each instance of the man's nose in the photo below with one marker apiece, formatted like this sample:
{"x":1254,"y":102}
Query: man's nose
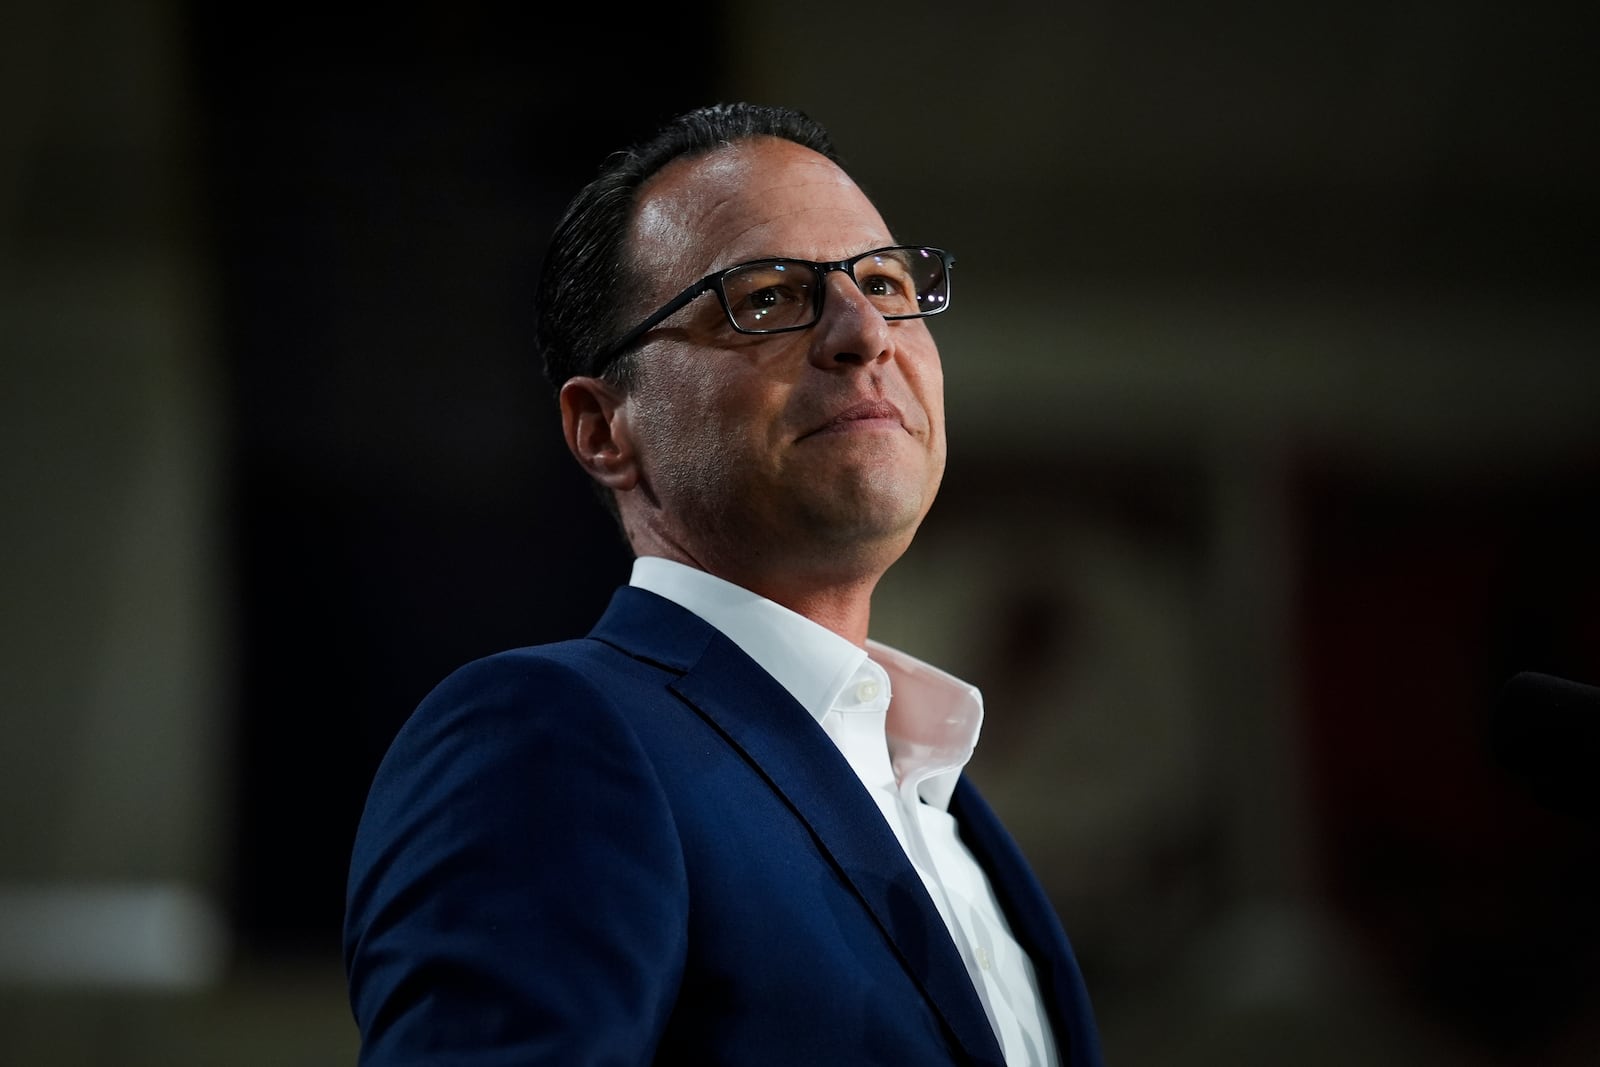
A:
{"x":852,"y":331}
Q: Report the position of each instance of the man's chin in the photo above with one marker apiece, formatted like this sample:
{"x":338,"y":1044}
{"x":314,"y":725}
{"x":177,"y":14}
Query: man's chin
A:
{"x":869,"y":511}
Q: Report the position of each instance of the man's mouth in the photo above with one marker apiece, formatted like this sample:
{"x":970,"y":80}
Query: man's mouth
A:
{"x":866,"y":415}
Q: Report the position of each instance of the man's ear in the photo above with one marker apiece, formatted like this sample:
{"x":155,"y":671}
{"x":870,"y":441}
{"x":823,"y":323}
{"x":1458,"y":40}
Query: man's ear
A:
{"x":594,"y":420}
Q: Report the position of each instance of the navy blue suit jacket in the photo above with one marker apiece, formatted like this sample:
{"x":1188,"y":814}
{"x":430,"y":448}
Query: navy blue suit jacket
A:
{"x":637,"y":847}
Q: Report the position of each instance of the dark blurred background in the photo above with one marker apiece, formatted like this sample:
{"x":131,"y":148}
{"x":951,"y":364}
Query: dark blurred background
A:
{"x":1274,"y":400}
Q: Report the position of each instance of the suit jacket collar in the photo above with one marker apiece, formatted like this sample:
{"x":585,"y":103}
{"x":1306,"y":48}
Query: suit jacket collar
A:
{"x":785,"y":745}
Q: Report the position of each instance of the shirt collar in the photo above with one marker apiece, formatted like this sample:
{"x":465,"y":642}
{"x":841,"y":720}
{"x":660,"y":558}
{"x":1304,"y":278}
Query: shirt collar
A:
{"x":933,"y":718}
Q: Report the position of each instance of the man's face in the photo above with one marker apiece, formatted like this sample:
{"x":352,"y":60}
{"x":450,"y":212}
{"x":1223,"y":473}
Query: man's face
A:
{"x":783,"y":452}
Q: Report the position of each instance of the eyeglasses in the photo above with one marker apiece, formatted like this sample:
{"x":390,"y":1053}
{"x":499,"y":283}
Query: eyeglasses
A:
{"x":779,"y":295}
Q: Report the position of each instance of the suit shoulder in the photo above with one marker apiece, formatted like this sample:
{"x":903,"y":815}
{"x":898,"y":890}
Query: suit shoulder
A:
{"x":526,"y":683}
{"x":572,"y":662}
{"x":509,"y":717}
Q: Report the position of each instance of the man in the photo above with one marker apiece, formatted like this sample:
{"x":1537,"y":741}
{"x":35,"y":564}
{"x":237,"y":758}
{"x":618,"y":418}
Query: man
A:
{"x":725,"y":827}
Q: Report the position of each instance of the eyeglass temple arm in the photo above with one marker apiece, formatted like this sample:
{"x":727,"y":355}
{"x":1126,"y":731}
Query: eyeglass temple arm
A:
{"x":627,"y":340}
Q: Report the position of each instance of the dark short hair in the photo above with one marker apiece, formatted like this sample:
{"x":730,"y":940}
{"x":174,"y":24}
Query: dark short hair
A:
{"x":583,"y":284}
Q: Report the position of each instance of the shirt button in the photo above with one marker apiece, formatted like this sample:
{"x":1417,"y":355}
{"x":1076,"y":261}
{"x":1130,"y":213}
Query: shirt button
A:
{"x":867,"y":691}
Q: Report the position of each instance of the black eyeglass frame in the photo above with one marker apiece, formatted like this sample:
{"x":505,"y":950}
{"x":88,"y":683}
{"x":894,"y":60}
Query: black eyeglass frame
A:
{"x":713,"y":282}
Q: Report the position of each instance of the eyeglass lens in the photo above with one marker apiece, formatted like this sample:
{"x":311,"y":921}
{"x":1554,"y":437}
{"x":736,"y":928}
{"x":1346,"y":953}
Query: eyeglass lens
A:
{"x":781,"y":294}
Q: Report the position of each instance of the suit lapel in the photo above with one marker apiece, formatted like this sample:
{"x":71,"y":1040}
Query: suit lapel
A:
{"x":1035,"y":924}
{"x":784,"y":744}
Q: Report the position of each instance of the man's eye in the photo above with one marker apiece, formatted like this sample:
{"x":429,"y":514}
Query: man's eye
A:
{"x":887,"y":284}
{"x":779,"y":305}
{"x":769,"y":297}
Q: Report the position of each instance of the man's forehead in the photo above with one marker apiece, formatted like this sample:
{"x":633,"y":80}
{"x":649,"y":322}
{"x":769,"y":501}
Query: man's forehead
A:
{"x":755,"y":198}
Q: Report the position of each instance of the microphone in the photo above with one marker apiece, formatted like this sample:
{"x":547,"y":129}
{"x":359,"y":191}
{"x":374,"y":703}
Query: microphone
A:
{"x":1545,"y":732}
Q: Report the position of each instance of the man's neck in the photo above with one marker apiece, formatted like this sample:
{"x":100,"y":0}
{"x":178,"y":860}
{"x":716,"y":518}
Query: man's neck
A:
{"x":846,"y":609}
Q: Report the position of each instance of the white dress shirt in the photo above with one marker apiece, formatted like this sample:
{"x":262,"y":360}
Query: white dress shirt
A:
{"x":908,"y":729}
